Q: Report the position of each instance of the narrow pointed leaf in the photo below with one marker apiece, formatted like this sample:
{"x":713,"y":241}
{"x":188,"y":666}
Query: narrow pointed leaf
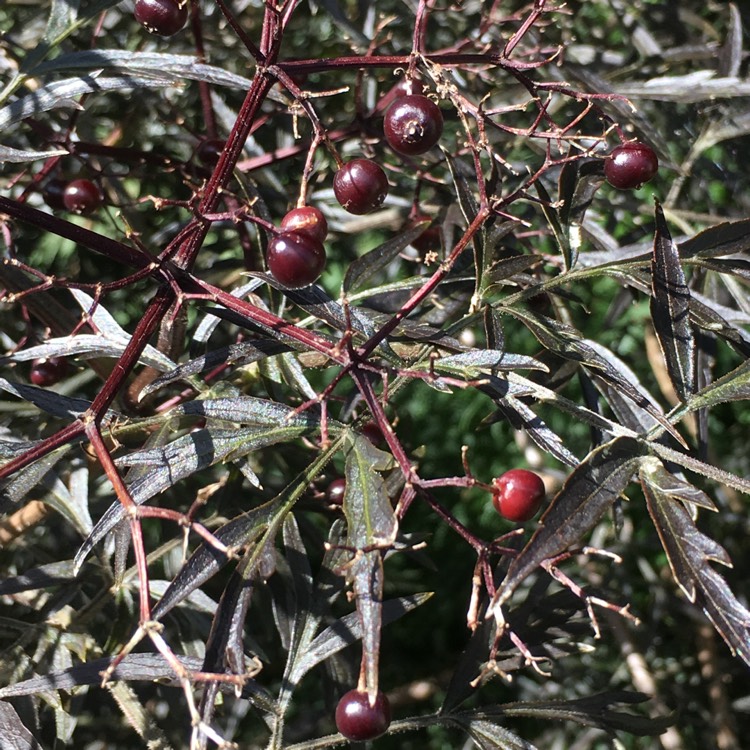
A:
{"x":14,"y":734}
{"x":584,"y":498}
{"x":670,"y":310}
{"x":689,"y":553}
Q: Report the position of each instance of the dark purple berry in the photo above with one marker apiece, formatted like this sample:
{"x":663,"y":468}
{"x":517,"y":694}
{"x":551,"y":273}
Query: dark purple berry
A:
{"x":630,"y":165}
{"x":518,"y":494}
{"x":295,"y":259}
{"x":82,"y":197}
{"x":209,"y":151}
{"x":413,"y":124}
{"x":358,"y":721}
{"x":360,"y":186}
{"x":335,"y":491}
{"x":306,"y":220}
{"x":163,"y":17}
{"x":47,"y":372}
{"x":53,"y":193}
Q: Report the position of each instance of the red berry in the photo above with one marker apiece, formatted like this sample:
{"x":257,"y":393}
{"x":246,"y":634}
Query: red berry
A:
{"x":358,"y":721}
{"x":295,"y":259}
{"x":47,"y":372}
{"x":630,"y":165}
{"x":53,"y":193}
{"x":82,"y":197}
{"x":413,"y":124}
{"x":209,"y":151}
{"x":306,"y":220}
{"x":335,"y":491}
{"x":360,"y":186}
{"x":163,"y":17}
{"x":518,"y":494}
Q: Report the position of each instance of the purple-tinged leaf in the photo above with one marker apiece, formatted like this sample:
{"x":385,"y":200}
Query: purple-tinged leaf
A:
{"x":522,"y":417}
{"x":584,"y":498}
{"x":670,"y":310}
{"x":700,"y":467}
{"x":363,"y":268}
{"x":734,"y":386}
{"x":53,"y":403}
{"x":505,"y":268}
{"x":19,"y":156}
{"x":729,"y":238}
{"x":689,"y":553}
{"x":15,"y":736}
{"x":489,"y":735}
{"x":19,"y":485}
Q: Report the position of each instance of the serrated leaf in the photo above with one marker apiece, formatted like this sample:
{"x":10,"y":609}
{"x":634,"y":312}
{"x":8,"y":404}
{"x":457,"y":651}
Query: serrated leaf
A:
{"x":372,"y":527}
{"x":734,"y":386}
{"x":689,"y":553}
{"x":20,"y":484}
{"x":365,"y":267}
{"x":670,"y":310}
{"x":728,"y":238}
{"x":584,"y":498}
{"x":138,"y":717}
{"x":489,"y":735}
{"x":14,"y":734}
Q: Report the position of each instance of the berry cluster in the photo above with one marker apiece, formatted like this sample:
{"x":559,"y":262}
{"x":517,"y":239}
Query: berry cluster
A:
{"x":296,"y":256}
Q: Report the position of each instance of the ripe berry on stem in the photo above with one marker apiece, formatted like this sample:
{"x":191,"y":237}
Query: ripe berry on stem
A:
{"x":82,"y":196}
{"x":518,"y":494}
{"x":630,"y":165}
{"x":413,"y":124}
{"x":373,"y":433}
{"x":430,"y":237}
{"x":360,"y":186}
{"x":335,"y":491}
{"x":295,"y":259}
{"x":162,"y":17}
{"x":357,"y":720}
{"x":53,"y":193}
{"x":306,"y":220}
{"x":47,"y":372}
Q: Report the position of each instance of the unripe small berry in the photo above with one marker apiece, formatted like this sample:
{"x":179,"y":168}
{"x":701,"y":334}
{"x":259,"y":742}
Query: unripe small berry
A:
{"x":47,"y":372}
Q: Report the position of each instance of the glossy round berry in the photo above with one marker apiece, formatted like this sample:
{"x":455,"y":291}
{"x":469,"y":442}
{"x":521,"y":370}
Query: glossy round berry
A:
{"x":413,"y":124}
{"x":518,"y":494}
{"x":306,"y":220}
{"x":47,"y":372}
{"x":358,"y":721}
{"x":295,"y":259}
{"x":163,"y":17}
{"x":335,"y":491}
{"x":209,"y":151}
{"x":630,"y":165}
{"x":82,"y":197}
{"x":360,"y":186}
{"x":53,"y":193}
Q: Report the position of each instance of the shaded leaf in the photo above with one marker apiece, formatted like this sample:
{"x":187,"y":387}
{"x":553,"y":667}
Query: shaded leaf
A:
{"x":348,"y":630}
{"x":15,"y":736}
{"x":366,"y":266}
{"x":488,"y":735}
{"x":689,"y":553}
{"x":670,"y":307}
{"x":728,"y":238}
{"x":20,"y":484}
{"x":584,"y":498}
